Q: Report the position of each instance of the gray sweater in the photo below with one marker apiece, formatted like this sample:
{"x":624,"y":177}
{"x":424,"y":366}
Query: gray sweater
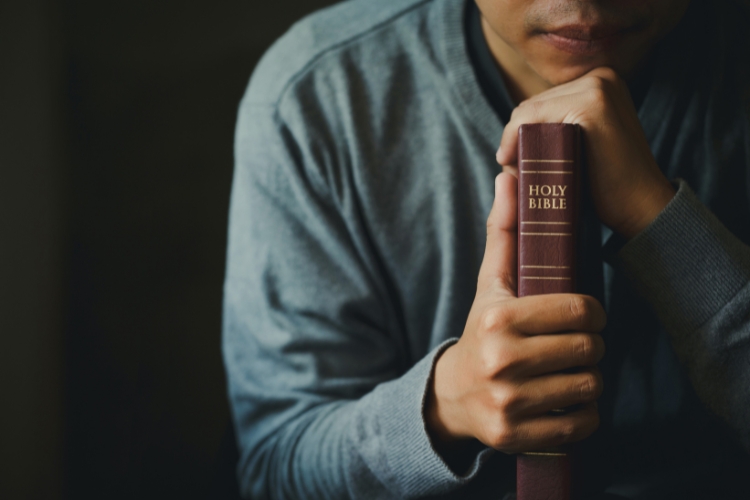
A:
{"x":363,"y":179}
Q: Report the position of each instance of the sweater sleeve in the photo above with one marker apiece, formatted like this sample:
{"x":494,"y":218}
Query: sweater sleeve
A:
{"x":696,"y":276}
{"x":324,"y":402}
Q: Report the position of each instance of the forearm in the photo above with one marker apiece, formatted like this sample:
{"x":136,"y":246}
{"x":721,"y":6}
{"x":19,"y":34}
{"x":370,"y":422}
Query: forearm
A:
{"x":695,"y":275}
{"x":373,"y":447}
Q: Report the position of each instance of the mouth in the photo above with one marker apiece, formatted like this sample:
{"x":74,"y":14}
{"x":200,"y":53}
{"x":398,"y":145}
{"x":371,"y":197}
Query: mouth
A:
{"x":586,"y":40}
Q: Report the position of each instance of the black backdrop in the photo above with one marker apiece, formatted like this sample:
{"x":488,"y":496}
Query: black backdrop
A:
{"x":116,"y":161}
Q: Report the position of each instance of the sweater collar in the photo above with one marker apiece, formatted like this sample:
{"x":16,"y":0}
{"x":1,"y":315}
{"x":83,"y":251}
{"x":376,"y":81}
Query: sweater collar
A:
{"x":451,"y":17}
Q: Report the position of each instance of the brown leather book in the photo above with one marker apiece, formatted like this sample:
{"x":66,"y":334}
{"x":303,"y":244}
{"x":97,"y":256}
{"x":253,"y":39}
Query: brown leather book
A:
{"x":548,"y":212}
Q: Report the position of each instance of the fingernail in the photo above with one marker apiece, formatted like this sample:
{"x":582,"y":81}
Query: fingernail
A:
{"x":497,"y":154}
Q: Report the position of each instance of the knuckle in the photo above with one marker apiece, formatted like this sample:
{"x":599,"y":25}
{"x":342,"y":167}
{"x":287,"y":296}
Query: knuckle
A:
{"x":485,"y":364}
{"x":579,"y":307}
{"x":598,"y":96}
{"x":589,"y":387}
{"x":505,"y":364}
{"x":495,"y":357}
{"x":607,"y":73}
{"x":488,"y":364}
{"x":499,"y":364}
{"x":585,"y":348}
{"x":506,"y":401}
{"x":495,"y":319}
{"x":502,"y":435}
{"x":566,"y":431}
{"x":598,"y":348}
{"x":596,"y":82}
{"x":498,"y":401}
{"x":579,"y":428}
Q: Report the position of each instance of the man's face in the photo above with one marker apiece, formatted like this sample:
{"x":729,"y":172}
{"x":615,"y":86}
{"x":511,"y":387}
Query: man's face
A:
{"x":563,"y":39}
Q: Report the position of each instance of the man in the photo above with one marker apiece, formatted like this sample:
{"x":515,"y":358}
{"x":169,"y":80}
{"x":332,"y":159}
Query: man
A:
{"x":373,"y":341}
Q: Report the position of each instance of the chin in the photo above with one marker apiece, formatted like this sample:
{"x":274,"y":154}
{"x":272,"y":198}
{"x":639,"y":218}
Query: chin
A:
{"x":558,"y":67}
{"x":559,"y":74}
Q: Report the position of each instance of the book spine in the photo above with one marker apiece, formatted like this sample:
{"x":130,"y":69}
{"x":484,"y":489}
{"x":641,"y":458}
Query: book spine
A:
{"x":548,"y":200}
{"x":548,"y":211}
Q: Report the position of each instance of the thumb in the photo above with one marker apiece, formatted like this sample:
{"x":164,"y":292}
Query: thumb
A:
{"x":499,"y":264}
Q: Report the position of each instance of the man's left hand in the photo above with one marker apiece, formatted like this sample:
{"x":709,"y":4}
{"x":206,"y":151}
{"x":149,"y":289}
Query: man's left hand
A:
{"x":627,"y":187}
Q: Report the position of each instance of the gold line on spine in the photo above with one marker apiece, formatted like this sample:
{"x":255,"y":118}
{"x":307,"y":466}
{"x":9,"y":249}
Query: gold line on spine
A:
{"x":546,"y":267}
{"x":548,"y":161}
{"x":546,"y":234}
{"x":546,"y":172}
{"x":543,"y":278}
{"x":542,"y":222}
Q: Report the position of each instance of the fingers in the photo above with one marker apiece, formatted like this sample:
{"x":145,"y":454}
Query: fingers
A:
{"x":561,"y":104}
{"x":499,"y":263}
{"x":512,"y":435}
{"x":538,"y":396}
{"x":554,"y":353}
{"x":547,"y":431}
{"x":557,"y":312}
{"x":539,"y":334}
{"x":561,"y":109}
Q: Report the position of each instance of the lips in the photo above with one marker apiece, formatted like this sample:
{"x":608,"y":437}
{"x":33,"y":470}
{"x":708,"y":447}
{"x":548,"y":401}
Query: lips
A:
{"x":583,"y":39}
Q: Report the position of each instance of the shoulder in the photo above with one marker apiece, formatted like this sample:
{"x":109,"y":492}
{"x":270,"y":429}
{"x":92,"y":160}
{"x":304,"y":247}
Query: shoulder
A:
{"x":321,"y":40}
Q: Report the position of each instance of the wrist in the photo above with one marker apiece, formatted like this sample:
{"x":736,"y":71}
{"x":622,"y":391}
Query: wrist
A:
{"x":457,"y":452}
{"x":649,"y":205}
{"x":437,"y":412}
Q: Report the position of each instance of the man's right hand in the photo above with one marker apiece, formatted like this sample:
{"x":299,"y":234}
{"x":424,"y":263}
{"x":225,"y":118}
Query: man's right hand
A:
{"x":518,"y":359}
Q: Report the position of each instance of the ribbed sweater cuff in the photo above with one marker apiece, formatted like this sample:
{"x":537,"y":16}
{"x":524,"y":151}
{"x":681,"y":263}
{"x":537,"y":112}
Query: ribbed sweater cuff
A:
{"x":686,"y":263}
{"x":416,"y":468}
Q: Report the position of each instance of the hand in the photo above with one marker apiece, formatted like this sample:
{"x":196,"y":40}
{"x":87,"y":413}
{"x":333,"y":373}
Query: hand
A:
{"x":510,"y":368}
{"x":627,"y":187}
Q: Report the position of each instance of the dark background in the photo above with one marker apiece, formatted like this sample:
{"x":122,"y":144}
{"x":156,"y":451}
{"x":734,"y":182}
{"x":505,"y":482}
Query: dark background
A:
{"x":116,"y":124}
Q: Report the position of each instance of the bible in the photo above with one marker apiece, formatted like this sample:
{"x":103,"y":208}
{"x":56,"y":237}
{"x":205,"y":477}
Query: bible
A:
{"x":549,"y":180}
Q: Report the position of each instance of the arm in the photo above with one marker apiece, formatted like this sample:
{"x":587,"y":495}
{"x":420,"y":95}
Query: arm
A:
{"x":691,"y":269}
{"x":324,"y":403}
{"x":696,"y":276}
